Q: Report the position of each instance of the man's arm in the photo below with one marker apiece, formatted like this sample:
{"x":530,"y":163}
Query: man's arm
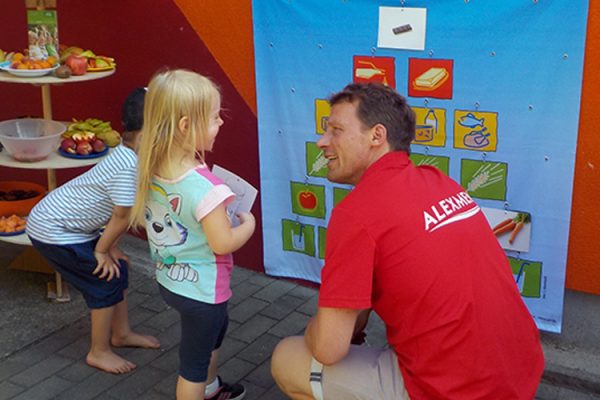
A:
{"x":328,"y":334}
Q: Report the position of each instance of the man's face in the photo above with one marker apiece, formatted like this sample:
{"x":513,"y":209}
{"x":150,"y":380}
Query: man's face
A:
{"x":346,"y":144}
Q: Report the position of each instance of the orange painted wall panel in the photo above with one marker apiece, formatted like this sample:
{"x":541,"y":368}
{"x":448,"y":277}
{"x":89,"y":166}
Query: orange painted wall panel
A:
{"x":583,"y":262}
{"x":225,"y":27}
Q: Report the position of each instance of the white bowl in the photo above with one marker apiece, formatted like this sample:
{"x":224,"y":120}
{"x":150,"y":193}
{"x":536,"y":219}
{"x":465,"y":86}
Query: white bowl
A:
{"x":30,"y":139}
{"x":30,"y":73}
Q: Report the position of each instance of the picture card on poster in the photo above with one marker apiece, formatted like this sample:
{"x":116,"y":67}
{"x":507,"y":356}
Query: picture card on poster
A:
{"x":402,"y":28}
{"x":245,"y":193}
{"x":522,"y":237}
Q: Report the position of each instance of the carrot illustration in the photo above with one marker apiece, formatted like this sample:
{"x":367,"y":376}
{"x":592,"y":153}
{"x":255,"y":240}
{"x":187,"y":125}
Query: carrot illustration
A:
{"x":505,"y":228}
{"x":501,"y":224}
{"x":522,"y":218}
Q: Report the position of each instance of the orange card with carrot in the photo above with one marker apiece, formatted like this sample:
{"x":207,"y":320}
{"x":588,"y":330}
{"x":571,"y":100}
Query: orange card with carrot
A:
{"x":512,"y":228}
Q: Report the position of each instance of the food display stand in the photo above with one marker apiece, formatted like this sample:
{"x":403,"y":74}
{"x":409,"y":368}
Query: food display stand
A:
{"x":30,"y":259}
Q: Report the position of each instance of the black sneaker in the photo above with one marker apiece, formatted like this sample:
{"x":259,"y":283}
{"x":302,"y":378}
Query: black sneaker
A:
{"x":228,"y":392}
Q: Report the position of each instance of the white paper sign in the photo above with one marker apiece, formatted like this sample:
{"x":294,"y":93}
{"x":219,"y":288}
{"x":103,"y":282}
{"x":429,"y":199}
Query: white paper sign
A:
{"x":402,"y":28}
{"x":245,"y":193}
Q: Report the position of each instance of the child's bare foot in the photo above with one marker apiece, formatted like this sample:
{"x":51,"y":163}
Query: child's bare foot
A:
{"x":109,"y":362}
{"x":134,"y":339}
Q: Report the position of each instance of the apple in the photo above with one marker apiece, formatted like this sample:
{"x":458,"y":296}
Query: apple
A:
{"x":84,"y":148}
{"x":68,"y":145}
{"x":307,"y":200}
{"x":98,"y":145}
{"x":77,"y":64}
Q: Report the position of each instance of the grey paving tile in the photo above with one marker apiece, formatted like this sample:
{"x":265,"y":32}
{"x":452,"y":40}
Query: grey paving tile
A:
{"x":167,"y":385}
{"x":91,"y":387}
{"x":291,"y":325}
{"x":260,"y":350}
{"x":243,"y":291}
{"x":163,"y":319}
{"x":230,"y":348}
{"x":168,"y":361}
{"x":149,"y":287}
{"x":261,"y":376}
{"x":252,"y":329}
{"x":76,"y":372}
{"x":246,"y":309}
{"x":135,"y":298}
{"x":309,"y":307}
{"x":136,"y":383}
{"x":253,"y":392}
{"x":261,"y":280}
{"x":78,"y":349}
{"x":9,"y":390}
{"x":303,"y":292}
{"x":43,"y":349}
{"x":139,"y":315}
{"x":284,"y":306}
{"x":40,"y":371}
{"x":46,"y":390}
{"x":169,"y":337}
{"x":10,"y":367}
{"x":235,"y":369}
{"x":274,"y":394}
{"x":142,"y":357}
{"x":240,"y":275}
{"x":155,"y":303}
{"x":274,"y":290}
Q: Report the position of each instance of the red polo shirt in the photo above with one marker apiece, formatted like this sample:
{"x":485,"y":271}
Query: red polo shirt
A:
{"x":411,"y":244}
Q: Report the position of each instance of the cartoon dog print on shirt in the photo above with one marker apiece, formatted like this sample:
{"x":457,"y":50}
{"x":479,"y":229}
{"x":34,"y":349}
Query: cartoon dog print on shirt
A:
{"x":164,"y":232}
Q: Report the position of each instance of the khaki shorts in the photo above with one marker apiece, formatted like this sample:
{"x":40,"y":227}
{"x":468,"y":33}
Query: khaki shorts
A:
{"x":364,"y":374}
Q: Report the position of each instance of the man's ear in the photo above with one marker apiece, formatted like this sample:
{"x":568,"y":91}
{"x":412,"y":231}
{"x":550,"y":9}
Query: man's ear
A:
{"x":184,"y":124}
{"x":378,"y":135}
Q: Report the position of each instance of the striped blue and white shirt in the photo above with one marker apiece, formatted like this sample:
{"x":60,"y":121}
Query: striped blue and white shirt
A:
{"x":76,"y":211}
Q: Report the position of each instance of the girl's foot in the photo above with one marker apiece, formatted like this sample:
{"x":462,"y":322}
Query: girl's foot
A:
{"x":134,"y":339}
{"x":109,"y":362}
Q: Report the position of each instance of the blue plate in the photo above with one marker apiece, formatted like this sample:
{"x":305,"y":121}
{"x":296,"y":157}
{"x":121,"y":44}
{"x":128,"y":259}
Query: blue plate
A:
{"x":12,"y":233}
{"x":80,"y":157}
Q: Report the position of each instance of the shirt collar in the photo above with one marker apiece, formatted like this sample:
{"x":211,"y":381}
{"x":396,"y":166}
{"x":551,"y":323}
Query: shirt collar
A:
{"x":393,"y":159}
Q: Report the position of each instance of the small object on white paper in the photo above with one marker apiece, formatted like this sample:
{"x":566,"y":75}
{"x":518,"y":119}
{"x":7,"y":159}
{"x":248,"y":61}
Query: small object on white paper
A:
{"x":402,"y":28}
{"x":245,"y":193}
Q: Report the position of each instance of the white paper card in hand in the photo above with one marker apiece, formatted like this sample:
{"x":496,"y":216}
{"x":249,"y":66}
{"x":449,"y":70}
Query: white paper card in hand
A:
{"x":245,"y":193}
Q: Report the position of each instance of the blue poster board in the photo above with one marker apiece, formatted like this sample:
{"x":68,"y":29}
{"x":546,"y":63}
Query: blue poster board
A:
{"x":496,"y":90}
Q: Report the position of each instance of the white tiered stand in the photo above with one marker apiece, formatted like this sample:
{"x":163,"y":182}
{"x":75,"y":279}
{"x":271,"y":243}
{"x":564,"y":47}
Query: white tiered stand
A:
{"x":56,"y":290}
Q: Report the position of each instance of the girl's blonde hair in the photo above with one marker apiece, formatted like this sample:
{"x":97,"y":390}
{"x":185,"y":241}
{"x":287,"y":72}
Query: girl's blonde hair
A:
{"x":171,"y":95}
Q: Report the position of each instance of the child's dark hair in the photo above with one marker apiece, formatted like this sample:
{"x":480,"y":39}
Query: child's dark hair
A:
{"x":132,"y":113}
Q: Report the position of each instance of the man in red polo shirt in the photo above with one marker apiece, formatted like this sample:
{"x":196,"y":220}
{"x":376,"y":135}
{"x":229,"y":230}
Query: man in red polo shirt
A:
{"x":410,"y":244}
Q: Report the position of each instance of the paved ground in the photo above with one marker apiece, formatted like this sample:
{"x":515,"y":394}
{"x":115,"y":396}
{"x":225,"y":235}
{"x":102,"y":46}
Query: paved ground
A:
{"x":43,"y":344}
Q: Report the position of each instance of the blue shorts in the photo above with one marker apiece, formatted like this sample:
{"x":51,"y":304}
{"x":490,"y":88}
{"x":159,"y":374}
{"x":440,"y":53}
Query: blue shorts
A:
{"x":76,"y":262}
{"x":203,"y":328}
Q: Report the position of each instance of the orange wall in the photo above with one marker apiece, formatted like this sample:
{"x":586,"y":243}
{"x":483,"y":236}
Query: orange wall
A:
{"x":583,"y":264}
{"x":225,"y":27}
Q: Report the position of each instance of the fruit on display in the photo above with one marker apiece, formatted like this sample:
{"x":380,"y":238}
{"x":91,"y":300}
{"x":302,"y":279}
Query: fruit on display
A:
{"x":11,"y":224}
{"x":77,"y":64}
{"x":89,"y":136}
{"x":101,"y":129}
{"x":63,"y":72}
{"x":23,"y":61}
{"x":94,"y":62}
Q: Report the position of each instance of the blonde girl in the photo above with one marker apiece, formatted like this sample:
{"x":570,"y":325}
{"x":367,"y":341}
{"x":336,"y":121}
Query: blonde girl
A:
{"x":183,"y":208}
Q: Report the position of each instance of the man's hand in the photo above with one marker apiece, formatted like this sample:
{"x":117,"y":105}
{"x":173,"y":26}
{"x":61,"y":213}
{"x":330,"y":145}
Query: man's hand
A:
{"x":107,"y":268}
